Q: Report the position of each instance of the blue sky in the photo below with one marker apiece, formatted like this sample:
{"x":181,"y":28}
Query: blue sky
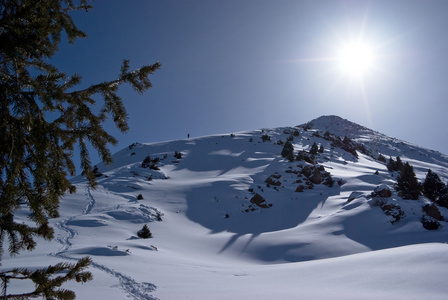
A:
{"x":238,"y":65}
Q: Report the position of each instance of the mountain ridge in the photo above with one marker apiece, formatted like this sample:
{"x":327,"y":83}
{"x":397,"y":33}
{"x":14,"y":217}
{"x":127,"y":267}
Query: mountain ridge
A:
{"x":227,"y":207}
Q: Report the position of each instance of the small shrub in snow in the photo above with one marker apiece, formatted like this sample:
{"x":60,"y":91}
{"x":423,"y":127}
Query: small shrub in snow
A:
{"x":140,"y":197}
{"x":154,"y":167}
{"x":321,"y":149}
{"x":265,"y":137}
{"x":146,"y":162}
{"x":178,"y":155}
{"x":329,"y":181}
{"x":393,"y":210}
{"x":144,"y":233}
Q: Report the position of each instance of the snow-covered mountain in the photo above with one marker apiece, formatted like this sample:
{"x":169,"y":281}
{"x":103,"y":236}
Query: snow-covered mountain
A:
{"x":231,"y":218}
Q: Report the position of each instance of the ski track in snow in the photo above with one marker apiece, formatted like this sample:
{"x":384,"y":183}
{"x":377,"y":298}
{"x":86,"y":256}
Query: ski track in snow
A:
{"x":91,"y":202}
{"x":138,"y":291}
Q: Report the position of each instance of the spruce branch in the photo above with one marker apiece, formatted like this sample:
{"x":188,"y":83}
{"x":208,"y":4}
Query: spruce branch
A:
{"x":36,"y":152}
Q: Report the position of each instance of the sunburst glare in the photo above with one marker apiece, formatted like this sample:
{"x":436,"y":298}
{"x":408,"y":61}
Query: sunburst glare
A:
{"x":356,"y":58}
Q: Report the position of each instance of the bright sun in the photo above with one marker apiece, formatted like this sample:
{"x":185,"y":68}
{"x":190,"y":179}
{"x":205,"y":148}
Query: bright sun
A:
{"x":356,"y":58}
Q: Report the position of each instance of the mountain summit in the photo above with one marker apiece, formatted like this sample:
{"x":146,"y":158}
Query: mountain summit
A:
{"x":310,"y":211}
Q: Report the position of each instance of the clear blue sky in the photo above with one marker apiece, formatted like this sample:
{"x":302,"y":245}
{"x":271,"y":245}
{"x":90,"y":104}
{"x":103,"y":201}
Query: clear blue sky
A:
{"x":235,"y":65}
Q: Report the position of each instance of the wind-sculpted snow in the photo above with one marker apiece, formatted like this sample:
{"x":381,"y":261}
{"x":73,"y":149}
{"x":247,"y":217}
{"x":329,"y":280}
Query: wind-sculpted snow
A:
{"x":304,"y":238}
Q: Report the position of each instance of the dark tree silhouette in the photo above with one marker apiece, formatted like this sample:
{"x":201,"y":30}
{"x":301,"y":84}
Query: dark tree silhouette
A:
{"x":42,"y":118}
{"x":407,"y":183}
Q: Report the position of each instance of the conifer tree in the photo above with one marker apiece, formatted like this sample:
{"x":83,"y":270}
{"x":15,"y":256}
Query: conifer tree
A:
{"x":407,"y":183}
{"x":144,"y":233}
{"x":435,"y":189}
{"x":381,"y":158}
{"x":36,"y":150}
{"x":288,"y":151}
{"x":314,"y":149}
{"x":443,"y":197}
{"x":398,"y":164}
{"x":391,"y":165}
{"x":433,"y":186}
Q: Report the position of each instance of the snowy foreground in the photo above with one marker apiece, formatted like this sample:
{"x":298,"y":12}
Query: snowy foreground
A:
{"x":210,"y":242}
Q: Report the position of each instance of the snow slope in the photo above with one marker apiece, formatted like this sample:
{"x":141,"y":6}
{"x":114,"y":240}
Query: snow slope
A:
{"x":210,"y":240}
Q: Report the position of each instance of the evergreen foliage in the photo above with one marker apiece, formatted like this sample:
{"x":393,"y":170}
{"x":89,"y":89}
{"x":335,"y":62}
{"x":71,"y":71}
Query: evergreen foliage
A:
{"x":177,"y":154}
{"x":265,"y":138}
{"x":394,"y":165}
{"x":443,"y":197}
{"x":146,"y":162}
{"x":391,"y":165}
{"x":144,"y":233}
{"x":321,"y":149}
{"x":433,"y":186}
{"x":398,"y":164}
{"x":435,"y":189}
{"x":288,"y":151}
{"x":407,"y":183}
{"x":314,"y":149}
{"x":36,"y":152}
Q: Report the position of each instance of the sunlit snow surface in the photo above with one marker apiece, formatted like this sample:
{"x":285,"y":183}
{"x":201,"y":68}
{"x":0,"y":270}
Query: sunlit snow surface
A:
{"x":210,"y":244}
